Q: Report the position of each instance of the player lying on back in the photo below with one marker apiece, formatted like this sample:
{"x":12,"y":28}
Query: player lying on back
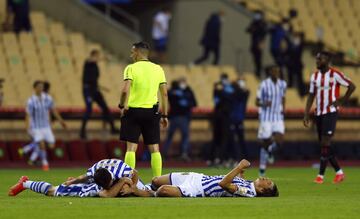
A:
{"x":200,"y":185}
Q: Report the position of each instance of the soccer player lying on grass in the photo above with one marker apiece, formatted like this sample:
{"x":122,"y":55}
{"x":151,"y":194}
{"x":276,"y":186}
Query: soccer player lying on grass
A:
{"x":200,"y":185}
{"x":75,"y":190}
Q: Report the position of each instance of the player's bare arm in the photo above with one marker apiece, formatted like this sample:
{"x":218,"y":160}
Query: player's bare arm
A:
{"x":309,"y":103}
{"x":135,"y":176}
{"x":115,"y":189}
{"x":350,"y":89}
{"x":59,"y":117}
{"x":124,"y":96}
{"x":164,"y":105}
{"x":226,"y":182}
{"x":79,"y":179}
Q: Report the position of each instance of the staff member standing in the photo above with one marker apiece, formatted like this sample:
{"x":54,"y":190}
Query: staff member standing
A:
{"x":143,"y":79}
{"x":91,"y":93}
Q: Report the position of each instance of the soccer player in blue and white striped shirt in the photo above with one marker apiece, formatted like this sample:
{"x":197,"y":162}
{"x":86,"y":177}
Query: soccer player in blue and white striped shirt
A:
{"x":105,"y":172}
{"x":38,"y":109}
{"x":271,"y":102}
{"x":200,"y":185}
{"x":75,"y":190}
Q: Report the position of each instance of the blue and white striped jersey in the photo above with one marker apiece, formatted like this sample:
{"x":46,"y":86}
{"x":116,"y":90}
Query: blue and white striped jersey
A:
{"x":78,"y":190}
{"x":38,"y":109}
{"x":116,"y":167}
{"x":210,"y":185}
{"x":273,"y":92}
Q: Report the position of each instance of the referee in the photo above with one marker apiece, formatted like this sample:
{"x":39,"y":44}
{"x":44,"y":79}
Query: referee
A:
{"x":139,"y":106}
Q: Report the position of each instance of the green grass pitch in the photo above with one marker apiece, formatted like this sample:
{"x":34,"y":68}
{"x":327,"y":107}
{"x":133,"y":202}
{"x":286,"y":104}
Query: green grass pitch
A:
{"x":299,"y":198}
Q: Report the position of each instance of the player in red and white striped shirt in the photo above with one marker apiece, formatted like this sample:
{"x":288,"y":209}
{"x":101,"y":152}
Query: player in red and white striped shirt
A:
{"x":325,"y":87}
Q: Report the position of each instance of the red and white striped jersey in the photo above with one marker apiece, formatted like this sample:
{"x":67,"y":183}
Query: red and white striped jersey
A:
{"x":326,"y":88}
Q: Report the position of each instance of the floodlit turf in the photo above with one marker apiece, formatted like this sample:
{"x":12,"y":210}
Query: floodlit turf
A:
{"x":299,"y":198}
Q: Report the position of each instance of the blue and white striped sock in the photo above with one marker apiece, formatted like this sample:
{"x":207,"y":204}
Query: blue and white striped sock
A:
{"x":263,"y":159}
{"x":35,"y":154}
{"x":29,"y":147}
{"x":43,"y":157}
{"x":39,"y":187}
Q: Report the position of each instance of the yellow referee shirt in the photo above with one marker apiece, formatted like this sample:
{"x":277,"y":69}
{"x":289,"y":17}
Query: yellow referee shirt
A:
{"x":146,"y":78}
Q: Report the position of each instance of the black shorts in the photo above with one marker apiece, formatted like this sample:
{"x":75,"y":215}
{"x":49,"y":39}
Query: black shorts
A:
{"x":326,"y":124}
{"x":143,"y":121}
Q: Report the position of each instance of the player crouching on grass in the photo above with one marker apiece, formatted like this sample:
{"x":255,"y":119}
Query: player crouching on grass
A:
{"x":110,"y":188}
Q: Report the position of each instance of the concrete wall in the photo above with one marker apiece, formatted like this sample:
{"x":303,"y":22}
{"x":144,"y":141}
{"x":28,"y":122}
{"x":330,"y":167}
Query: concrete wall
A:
{"x":80,"y":17}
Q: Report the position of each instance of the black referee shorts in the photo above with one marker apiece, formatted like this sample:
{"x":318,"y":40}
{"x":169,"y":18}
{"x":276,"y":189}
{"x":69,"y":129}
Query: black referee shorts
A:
{"x":143,"y":121}
{"x":326,"y":124}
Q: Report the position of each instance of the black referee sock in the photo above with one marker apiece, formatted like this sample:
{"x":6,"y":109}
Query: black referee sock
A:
{"x":334,"y":163}
{"x":324,"y":159}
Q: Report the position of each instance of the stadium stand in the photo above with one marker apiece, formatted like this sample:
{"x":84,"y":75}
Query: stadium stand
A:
{"x":339,"y":20}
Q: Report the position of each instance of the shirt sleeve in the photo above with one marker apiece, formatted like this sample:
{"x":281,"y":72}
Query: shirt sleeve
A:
{"x":90,"y":172}
{"x":261,"y":91}
{"x":128,"y":75}
{"x":244,"y":191}
{"x":312,"y":87}
{"x":162,"y":76}
{"x":29,"y":107}
{"x":341,"y":79}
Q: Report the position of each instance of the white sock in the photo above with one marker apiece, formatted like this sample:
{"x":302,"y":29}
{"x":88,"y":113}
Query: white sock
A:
{"x":29,"y":147}
{"x":43,"y":157}
{"x":34,"y":155}
{"x":339,"y":172}
{"x":321,"y":176}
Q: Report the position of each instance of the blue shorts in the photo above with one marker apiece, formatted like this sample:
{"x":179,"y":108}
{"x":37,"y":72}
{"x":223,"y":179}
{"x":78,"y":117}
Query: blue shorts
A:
{"x":160,"y":45}
{"x":78,"y":190}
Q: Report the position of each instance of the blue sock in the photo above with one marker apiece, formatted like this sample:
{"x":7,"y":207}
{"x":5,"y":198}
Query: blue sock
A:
{"x":29,"y":147}
{"x":272,"y":147}
{"x":43,"y":157}
{"x":35,"y":154}
{"x":39,"y":187}
{"x":263,"y":159}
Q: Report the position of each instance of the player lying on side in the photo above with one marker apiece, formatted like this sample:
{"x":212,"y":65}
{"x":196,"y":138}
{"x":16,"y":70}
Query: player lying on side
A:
{"x":200,"y":185}
{"x":77,"y":190}
{"x":103,"y":174}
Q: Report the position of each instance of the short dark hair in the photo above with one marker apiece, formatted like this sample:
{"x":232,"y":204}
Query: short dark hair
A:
{"x":269,"y":68}
{"x":142,"y":45}
{"x":224,"y":75}
{"x":94,"y":52}
{"x":36,"y":83}
{"x":327,"y":54}
{"x":272,"y":192}
{"x":102,"y":177}
{"x":46,"y":86}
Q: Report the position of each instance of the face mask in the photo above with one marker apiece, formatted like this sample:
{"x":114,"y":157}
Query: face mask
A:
{"x":257,"y":16}
{"x":183,"y":86}
{"x":241,"y":84}
{"x":224,"y":81}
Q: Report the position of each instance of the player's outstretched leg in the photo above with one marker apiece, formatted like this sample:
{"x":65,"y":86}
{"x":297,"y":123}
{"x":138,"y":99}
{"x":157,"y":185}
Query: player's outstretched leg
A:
{"x":263,"y":160}
{"x":25,"y":183}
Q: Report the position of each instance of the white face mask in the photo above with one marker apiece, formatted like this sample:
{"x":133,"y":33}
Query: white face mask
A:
{"x":183,"y":86}
{"x":241,"y":83}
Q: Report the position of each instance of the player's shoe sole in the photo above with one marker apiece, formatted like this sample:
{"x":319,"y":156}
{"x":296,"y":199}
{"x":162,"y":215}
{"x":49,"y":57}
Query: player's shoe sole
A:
{"x":339,"y":178}
{"x":18,"y":187}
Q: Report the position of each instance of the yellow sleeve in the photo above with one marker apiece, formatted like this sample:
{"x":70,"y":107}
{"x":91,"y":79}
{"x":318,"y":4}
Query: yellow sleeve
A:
{"x":162,"y":76}
{"x":128,"y":73}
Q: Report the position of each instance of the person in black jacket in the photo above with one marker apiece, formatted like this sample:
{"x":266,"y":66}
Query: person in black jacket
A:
{"x":211,"y":38}
{"x":257,"y":29}
{"x":223,"y":99}
{"x":92,"y":93}
{"x":182,"y":100}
